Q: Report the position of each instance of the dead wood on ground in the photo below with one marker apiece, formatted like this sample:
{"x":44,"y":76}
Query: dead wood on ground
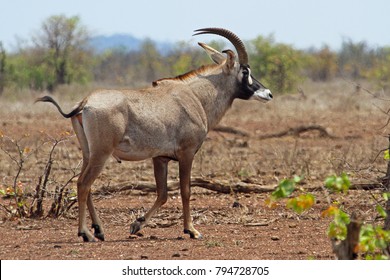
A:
{"x":297,"y":131}
{"x":231,"y":130}
{"x":231,"y":187}
{"x":219,"y":186}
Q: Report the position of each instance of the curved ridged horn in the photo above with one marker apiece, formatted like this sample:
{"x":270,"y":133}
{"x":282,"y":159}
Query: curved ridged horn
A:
{"x":233,"y":38}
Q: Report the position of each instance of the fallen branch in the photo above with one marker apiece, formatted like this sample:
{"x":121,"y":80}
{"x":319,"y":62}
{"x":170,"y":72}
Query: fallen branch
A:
{"x":231,"y":130}
{"x":296,"y":131}
{"x":230,"y":187}
{"x":218,"y":186}
{"x":138,"y":186}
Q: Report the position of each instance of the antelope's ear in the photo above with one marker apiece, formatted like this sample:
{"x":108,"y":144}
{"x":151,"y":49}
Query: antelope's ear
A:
{"x":215,"y":55}
{"x":230,"y":61}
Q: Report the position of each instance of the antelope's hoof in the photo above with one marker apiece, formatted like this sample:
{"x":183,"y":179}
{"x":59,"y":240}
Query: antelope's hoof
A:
{"x":137,"y":225}
{"x":98,"y":233}
{"x":193,"y":234}
{"x":86,"y":237}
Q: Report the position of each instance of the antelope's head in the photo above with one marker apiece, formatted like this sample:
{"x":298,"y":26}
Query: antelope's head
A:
{"x":249,"y":87}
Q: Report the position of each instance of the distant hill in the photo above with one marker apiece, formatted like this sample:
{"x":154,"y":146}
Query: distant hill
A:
{"x":128,"y":42}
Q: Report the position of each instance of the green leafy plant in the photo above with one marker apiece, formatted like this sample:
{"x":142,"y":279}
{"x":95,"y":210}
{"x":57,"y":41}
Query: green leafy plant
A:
{"x":338,"y":183}
{"x":381,"y":211}
{"x":386,"y":155}
{"x":285,"y":188}
{"x":301,"y":203}
{"x":338,"y":226}
{"x":373,"y":241}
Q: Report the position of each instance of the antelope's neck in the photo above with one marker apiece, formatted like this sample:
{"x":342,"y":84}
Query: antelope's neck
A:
{"x":215,"y":99}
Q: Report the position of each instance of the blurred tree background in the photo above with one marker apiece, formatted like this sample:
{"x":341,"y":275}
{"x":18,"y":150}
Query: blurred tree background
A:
{"x":59,"y":53}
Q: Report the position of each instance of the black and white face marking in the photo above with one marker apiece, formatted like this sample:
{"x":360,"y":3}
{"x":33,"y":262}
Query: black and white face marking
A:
{"x":251,"y":88}
{"x":250,"y":81}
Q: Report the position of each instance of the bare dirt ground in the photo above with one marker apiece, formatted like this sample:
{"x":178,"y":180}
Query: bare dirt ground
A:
{"x":352,"y":120}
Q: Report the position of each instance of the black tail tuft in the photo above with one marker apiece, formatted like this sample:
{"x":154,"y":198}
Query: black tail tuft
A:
{"x":74,"y":112}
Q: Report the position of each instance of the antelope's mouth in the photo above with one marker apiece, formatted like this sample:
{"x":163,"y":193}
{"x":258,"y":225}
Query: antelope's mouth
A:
{"x":263,"y":95}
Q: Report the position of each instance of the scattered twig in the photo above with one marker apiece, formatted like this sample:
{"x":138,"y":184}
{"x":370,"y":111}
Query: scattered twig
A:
{"x":260,"y":224}
{"x":40,"y":190}
{"x":20,"y":206}
{"x":59,"y":205}
{"x":19,"y":160}
{"x":358,"y":86}
{"x":387,"y":113}
{"x":296,"y":131}
{"x":378,"y":154}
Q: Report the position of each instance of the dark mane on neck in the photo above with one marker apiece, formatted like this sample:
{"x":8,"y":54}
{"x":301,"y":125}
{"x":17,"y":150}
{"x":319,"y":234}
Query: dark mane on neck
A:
{"x":202,"y":71}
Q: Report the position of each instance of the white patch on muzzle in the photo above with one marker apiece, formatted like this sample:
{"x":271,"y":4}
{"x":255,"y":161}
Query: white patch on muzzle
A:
{"x":263,"y":95}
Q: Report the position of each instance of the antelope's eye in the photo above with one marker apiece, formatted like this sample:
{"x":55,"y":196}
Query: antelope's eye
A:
{"x":247,"y":74}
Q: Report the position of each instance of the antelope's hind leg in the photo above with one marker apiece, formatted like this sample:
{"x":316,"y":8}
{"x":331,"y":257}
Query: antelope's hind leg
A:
{"x":84,"y":183}
{"x":160,"y":165}
{"x":97,"y":225}
{"x":89,"y":171}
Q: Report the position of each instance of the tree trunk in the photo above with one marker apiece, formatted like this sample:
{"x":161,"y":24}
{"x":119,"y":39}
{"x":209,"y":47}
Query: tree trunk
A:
{"x":345,"y":249}
{"x":387,"y":189}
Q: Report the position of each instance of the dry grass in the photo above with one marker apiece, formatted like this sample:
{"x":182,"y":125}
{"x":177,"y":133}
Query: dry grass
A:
{"x":351,"y":116}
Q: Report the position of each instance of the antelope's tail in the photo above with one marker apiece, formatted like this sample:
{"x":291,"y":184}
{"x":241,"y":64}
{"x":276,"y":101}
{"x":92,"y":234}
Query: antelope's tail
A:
{"x":74,"y":112}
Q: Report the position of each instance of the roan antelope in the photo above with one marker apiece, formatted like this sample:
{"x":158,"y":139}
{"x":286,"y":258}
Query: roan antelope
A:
{"x":168,"y":121}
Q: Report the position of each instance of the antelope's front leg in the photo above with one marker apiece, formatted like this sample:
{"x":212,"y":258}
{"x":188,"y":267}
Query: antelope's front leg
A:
{"x":160,"y":173}
{"x":185,"y":191}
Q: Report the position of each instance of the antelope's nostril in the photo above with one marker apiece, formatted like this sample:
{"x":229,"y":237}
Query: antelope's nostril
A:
{"x":270,"y":95}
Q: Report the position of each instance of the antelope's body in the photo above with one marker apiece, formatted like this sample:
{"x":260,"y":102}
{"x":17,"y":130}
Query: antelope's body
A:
{"x":168,"y":121}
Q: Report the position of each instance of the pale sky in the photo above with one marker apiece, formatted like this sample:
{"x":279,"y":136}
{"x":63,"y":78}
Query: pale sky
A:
{"x":301,"y":23}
